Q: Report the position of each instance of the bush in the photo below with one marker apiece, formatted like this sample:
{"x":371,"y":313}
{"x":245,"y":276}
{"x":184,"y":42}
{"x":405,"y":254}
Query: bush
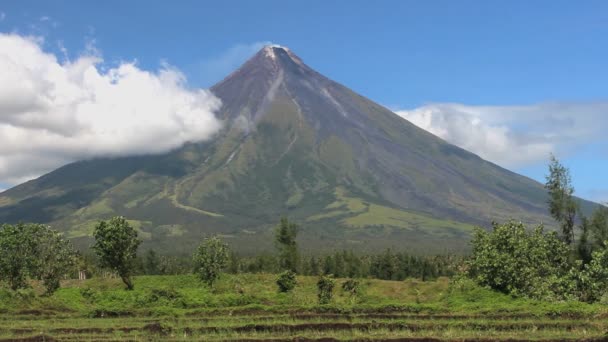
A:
{"x":325,"y":287}
{"x":529,"y":264}
{"x":352,"y":287}
{"x":89,"y":294}
{"x":287,"y":281}
{"x":592,"y":281}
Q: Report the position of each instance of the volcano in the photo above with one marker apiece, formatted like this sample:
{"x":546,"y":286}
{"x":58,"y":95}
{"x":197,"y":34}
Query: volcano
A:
{"x":294,"y":143}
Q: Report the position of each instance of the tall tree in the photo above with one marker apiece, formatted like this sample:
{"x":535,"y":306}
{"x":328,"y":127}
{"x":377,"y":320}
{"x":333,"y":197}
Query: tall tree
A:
{"x":116,"y":246}
{"x":562,"y":206}
{"x":210,"y":259}
{"x":285,"y":239}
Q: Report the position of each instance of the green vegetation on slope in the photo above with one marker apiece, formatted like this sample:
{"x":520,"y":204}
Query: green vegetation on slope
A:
{"x":355,"y":212}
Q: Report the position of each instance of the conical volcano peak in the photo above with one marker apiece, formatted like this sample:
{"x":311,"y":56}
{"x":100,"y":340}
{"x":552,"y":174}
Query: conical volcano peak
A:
{"x":266,"y":65}
{"x":294,"y":142}
{"x":280,"y":56}
{"x":269,"y":50}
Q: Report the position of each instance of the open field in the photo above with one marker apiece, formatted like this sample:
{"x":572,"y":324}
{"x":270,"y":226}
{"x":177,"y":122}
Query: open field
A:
{"x":248,"y":307}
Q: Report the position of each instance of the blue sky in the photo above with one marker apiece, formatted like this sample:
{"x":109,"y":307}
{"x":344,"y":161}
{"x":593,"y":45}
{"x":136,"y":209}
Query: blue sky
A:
{"x":431,"y":61}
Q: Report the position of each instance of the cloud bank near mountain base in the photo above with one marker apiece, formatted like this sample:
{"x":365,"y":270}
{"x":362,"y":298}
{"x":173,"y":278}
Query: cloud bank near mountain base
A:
{"x":53,"y":112}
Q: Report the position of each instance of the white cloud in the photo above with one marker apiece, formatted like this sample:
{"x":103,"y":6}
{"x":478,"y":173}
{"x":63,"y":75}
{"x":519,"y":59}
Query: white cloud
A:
{"x":514,"y":136}
{"x":55,"y":112}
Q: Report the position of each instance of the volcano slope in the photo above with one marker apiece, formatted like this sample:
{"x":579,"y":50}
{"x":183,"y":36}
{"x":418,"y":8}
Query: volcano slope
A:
{"x":352,"y":173}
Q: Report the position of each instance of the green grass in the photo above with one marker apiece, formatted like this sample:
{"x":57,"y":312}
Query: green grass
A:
{"x":249,"y":306}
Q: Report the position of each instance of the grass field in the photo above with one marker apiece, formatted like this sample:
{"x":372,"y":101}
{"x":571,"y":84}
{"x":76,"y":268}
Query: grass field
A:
{"x":248,"y":307}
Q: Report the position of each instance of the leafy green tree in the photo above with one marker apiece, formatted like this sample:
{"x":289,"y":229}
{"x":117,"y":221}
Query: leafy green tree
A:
{"x":210,"y":259}
{"x":285,"y":239}
{"x":325,"y":288}
{"x":329,"y":266}
{"x":514,"y":261}
{"x":34,"y":251}
{"x":16,"y":250}
{"x":116,"y":246}
{"x":286,"y":281}
{"x":54,"y":257}
{"x":562,"y":206}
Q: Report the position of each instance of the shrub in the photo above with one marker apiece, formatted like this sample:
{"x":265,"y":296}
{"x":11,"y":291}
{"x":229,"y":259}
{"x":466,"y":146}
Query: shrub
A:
{"x":286,"y":281}
{"x":352,"y":287}
{"x":530,"y":264}
{"x":592,"y":282}
{"x":325,"y":287}
{"x":89,"y":294}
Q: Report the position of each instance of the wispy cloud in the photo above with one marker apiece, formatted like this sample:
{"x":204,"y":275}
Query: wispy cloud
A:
{"x":2,"y":16}
{"x":54,"y":112}
{"x":212,"y":70}
{"x":515,"y":136}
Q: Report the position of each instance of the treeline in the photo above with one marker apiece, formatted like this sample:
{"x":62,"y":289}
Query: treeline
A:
{"x":389,"y":265}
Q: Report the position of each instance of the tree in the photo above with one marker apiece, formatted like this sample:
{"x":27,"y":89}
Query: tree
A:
{"x":210,"y":259}
{"x":151,"y":263}
{"x":329,"y":266}
{"x":384,"y":266}
{"x":54,"y":257}
{"x":34,"y":251}
{"x":116,"y":246}
{"x":286,"y":281}
{"x":562,"y":206}
{"x":285,"y":239}
{"x":15,"y":255}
